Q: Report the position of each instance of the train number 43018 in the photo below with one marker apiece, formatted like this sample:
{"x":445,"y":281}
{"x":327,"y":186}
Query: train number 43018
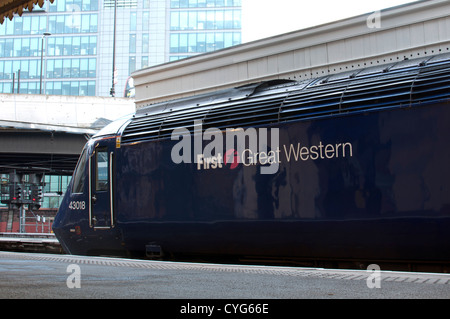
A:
{"x":76,"y":205}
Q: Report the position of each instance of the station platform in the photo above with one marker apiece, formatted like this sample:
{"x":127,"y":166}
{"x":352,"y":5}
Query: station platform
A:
{"x":30,"y":242}
{"x":32,"y":275}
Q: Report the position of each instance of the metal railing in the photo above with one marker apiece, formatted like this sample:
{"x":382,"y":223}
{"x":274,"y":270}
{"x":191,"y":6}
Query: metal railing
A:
{"x":36,"y":224}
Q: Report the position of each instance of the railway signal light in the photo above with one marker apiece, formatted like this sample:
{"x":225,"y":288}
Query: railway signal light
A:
{"x":17,"y":196}
{"x":18,"y":192}
{"x":36,"y":194}
{"x":36,"y":197}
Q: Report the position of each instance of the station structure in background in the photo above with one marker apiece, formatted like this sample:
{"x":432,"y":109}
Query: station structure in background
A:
{"x":41,"y":138}
{"x":22,"y":191}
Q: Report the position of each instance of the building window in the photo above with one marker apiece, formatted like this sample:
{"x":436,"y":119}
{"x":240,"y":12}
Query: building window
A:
{"x":202,"y":42}
{"x":54,"y":187}
{"x":132,"y":64}
{"x":71,"y":68}
{"x":144,"y":62}
{"x":175,"y":20}
{"x":204,"y":3}
{"x":73,"y":5}
{"x":121,"y":3}
{"x":132,"y":46}
{"x":205,"y":20}
{"x":174,"y":43}
{"x":81,"y":88}
{"x":145,"y":20}
{"x":133,"y":21}
{"x":71,"y":23}
{"x":34,"y":70}
{"x":183,"y":44}
{"x":89,"y":5}
{"x":145,"y":43}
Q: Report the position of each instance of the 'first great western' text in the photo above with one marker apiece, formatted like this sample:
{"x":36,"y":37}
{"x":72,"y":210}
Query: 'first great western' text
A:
{"x":248,"y":147}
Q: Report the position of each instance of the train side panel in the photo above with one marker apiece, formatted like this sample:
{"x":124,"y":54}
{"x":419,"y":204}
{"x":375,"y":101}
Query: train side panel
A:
{"x":368,"y":185}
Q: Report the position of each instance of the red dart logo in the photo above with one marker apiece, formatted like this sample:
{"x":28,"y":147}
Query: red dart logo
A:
{"x":231,"y":157}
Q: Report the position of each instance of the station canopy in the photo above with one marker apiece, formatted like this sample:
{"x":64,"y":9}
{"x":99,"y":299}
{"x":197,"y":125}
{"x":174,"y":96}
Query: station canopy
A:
{"x":10,"y":7}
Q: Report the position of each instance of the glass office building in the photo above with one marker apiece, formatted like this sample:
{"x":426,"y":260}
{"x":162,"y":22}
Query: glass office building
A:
{"x":74,"y":39}
{"x":198,"y":26}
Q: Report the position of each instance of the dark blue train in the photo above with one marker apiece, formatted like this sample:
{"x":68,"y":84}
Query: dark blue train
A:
{"x":348,"y":167}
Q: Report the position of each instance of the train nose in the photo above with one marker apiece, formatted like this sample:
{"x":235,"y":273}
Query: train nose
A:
{"x":57,"y":228}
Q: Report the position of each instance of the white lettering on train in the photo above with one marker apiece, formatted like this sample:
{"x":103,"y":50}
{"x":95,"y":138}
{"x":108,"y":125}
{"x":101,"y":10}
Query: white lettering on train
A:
{"x":248,"y":147}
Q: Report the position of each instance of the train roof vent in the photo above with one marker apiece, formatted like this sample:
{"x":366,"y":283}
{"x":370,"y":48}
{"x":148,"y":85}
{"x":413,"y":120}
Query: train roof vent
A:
{"x":313,"y":102}
{"x":406,"y":64}
{"x":274,"y":84}
{"x":382,"y":90}
{"x":144,"y":127}
{"x":338,"y":77}
{"x":182,"y":118}
{"x":402,"y":83}
{"x":441,"y":58}
{"x":159,"y":120}
{"x":379,"y":92}
{"x":254,"y":111}
{"x":432,"y":84}
{"x":374,"y":70}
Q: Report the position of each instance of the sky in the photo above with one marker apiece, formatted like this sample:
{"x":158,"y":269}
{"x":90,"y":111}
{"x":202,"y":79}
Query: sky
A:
{"x":266,"y":18}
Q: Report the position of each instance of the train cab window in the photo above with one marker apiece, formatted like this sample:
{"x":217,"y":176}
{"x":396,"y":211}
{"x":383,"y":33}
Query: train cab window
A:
{"x":101,"y":180}
{"x":80,"y":176}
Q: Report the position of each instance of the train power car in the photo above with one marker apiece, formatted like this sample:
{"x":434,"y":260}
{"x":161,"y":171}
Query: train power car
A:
{"x":352,"y":166}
